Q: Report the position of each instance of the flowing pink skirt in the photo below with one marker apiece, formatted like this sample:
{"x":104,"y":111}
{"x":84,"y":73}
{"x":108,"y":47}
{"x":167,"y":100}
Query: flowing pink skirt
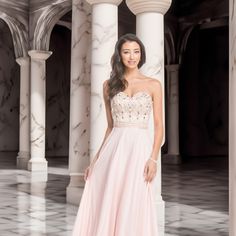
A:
{"x":116,"y":200}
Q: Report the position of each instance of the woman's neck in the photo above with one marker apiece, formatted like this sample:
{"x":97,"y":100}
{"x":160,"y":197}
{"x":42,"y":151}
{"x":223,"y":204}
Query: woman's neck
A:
{"x":131,"y":73}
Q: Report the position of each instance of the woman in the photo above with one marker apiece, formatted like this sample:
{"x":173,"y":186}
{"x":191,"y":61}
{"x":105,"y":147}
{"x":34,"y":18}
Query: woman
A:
{"x":118,"y":196}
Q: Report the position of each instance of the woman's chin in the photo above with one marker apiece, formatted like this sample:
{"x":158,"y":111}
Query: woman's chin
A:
{"x":128,"y":66}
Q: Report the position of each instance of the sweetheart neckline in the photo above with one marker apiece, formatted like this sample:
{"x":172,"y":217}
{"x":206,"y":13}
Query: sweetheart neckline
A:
{"x":141,"y":91}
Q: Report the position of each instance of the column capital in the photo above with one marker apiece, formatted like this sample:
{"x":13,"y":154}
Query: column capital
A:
{"x":39,"y":55}
{"x":140,"y":6}
{"x":114,"y":2}
{"x":22,"y":61}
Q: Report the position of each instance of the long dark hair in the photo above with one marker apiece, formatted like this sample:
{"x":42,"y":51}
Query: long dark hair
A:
{"x":117,"y":82}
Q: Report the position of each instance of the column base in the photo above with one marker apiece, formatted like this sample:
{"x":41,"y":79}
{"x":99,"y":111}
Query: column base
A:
{"x":160,"y":209}
{"x":22,"y":160}
{"x":171,"y":159}
{"x":75,"y":189}
{"x":73,"y":195}
{"x":37,"y":164}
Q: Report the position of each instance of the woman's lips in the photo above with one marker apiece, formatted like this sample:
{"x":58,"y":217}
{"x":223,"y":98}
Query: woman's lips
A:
{"x":131,"y":62}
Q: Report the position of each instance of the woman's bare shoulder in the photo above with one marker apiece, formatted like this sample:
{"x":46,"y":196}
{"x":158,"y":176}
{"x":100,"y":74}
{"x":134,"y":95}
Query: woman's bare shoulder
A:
{"x":152,"y":84}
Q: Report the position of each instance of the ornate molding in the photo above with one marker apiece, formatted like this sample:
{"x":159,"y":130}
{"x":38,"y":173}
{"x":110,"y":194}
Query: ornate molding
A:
{"x":140,"y":6}
{"x":114,"y":2}
{"x":23,"y":61}
{"x":39,"y":54}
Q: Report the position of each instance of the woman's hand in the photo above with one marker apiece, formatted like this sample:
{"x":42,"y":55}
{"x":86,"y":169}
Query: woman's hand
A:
{"x":150,"y":170}
{"x":88,"y":171}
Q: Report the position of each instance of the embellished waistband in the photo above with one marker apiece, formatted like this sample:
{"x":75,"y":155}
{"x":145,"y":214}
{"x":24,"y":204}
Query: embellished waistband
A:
{"x":130,"y":124}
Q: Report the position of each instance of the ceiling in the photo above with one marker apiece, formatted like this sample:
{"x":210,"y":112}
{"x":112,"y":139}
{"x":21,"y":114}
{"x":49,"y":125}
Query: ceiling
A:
{"x":182,"y":8}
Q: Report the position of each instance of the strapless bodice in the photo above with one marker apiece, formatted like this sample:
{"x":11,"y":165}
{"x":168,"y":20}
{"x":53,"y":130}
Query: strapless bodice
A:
{"x":131,"y":111}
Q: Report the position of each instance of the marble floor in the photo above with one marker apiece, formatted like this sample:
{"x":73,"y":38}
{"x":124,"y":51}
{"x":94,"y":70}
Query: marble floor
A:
{"x":195,"y":194}
{"x":196,"y":197}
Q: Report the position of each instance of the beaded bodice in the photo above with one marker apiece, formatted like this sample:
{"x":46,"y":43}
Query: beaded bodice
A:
{"x":131,"y":111}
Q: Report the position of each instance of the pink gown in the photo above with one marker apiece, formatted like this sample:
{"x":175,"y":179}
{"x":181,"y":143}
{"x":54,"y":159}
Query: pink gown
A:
{"x":116,"y":200}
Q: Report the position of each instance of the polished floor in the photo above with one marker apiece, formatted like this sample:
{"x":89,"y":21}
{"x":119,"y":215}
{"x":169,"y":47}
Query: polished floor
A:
{"x":196,"y":197}
{"x":195,"y":194}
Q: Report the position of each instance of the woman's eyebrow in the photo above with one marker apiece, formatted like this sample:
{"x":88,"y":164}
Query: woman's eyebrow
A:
{"x":130,"y":49}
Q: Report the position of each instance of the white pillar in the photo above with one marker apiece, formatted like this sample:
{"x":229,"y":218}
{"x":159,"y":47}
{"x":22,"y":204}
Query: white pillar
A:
{"x":79,"y":99}
{"x":37,"y":106}
{"x":172,"y":76}
{"x":232,"y":118}
{"x":24,"y":119}
{"x":104,"y":37}
{"x":150,"y":29}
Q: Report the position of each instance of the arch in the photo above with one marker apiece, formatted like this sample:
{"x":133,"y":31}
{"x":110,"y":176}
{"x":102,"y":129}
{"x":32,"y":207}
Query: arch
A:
{"x":170,"y":49}
{"x":184,"y":40}
{"x":47,"y":20}
{"x":19,"y":34}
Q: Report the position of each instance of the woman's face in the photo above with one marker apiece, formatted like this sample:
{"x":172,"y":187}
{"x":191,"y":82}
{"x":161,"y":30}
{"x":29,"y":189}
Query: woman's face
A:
{"x":130,"y":54}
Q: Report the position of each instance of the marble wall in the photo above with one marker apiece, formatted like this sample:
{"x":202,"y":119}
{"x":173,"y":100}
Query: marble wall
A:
{"x":57,"y":85}
{"x":9,"y":92}
{"x":58,"y":93}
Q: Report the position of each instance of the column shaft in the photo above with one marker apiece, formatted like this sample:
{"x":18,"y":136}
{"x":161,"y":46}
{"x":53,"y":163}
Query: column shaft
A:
{"x":24,"y":119}
{"x":153,"y":39}
{"x":232,"y":118}
{"x":79,"y":99}
{"x":37,"y":105}
{"x":172,"y":114}
{"x":104,"y":37}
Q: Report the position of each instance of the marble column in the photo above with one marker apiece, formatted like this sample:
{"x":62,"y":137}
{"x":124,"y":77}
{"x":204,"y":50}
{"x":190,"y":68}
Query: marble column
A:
{"x":37,"y":107}
{"x":232,"y":118}
{"x":151,"y":13}
{"x":172,"y":75}
{"x":24,"y":121}
{"x":79,"y":99}
{"x":104,"y":37}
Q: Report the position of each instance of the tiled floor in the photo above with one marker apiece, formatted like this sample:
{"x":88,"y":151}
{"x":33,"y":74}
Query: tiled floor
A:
{"x":195,"y":196}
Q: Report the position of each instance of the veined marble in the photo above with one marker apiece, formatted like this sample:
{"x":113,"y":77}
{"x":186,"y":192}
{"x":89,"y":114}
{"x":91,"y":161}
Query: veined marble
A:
{"x":43,"y":17}
{"x":58,"y":93}
{"x":15,"y":14}
{"x":148,"y":13}
{"x":24,"y":120}
{"x":9,"y":90}
{"x":104,"y":37}
{"x":80,"y":97}
{"x":37,"y":108}
{"x":153,"y":40}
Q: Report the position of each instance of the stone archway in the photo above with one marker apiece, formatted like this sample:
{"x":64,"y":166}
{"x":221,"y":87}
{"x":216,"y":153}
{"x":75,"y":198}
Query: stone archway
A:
{"x":19,"y":34}
{"x":46,"y":21}
{"x":58,"y":93}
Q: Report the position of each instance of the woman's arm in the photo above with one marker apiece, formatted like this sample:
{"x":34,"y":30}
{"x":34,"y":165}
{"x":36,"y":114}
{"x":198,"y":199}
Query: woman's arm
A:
{"x":108,"y":115}
{"x":151,"y":164}
{"x":158,"y":120}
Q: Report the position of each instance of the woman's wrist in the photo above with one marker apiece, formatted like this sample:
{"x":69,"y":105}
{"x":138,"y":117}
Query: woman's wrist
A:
{"x":153,"y":160}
